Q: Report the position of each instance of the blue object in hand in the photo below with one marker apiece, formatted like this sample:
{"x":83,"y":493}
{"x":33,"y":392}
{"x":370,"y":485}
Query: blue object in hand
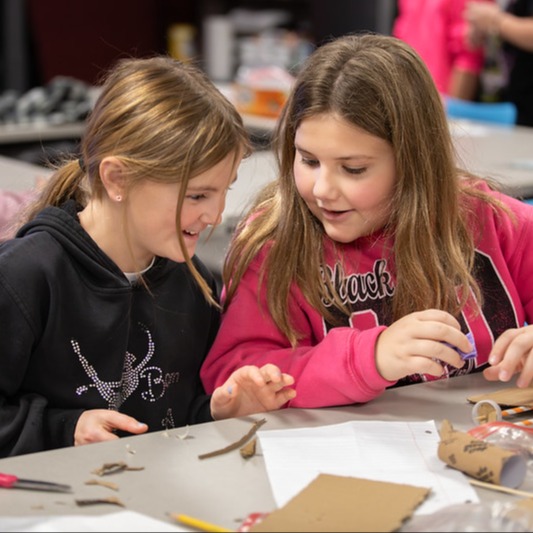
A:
{"x":466,"y":355}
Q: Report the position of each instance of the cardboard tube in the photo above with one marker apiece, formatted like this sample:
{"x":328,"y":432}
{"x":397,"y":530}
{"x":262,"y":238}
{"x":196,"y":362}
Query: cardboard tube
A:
{"x":480,"y":459}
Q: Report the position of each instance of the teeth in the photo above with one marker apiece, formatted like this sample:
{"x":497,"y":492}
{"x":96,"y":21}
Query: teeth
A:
{"x":191,"y":232}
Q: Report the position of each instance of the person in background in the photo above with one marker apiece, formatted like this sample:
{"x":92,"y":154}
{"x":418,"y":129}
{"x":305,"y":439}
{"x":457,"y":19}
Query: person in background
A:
{"x":106,"y":313}
{"x":372,"y":261}
{"x":436,"y":29}
{"x":514,"y":28}
{"x":11,"y":204}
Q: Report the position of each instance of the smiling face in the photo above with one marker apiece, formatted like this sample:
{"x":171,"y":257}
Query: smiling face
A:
{"x":345,"y":176}
{"x":152,"y":212}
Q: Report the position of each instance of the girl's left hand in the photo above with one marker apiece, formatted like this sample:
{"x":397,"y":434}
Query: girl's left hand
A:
{"x":512,"y":353}
{"x":251,"y":389}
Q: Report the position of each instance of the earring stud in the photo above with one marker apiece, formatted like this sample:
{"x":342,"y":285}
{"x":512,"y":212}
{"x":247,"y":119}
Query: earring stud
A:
{"x":118,"y":198}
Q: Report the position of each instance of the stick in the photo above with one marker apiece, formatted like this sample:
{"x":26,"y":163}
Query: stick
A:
{"x":528,"y":422}
{"x":500,"y":488}
{"x":516,"y":410}
{"x":241,"y":442}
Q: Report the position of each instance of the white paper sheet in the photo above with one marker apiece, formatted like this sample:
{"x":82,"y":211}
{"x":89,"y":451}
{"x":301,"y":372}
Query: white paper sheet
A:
{"x":396,"y":452}
{"x":116,"y":522}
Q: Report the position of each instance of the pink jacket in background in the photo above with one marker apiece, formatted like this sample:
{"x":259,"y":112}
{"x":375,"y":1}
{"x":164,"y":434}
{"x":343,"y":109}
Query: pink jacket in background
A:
{"x":436,"y":29}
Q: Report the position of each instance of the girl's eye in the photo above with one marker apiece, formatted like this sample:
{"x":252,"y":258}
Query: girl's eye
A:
{"x":359,"y":170}
{"x":196,"y":196}
{"x":309,"y":162}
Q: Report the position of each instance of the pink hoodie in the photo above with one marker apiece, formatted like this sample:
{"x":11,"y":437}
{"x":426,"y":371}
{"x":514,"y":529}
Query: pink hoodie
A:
{"x":335,"y":365}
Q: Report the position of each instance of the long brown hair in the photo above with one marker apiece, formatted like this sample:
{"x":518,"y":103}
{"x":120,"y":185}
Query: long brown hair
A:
{"x":165,"y":121}
{"x":379,"y":84}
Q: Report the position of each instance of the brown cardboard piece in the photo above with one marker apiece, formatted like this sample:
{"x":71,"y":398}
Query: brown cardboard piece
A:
{"x":511,"y":396}
{"x":338,"y":503}
{"x":481,"y":459}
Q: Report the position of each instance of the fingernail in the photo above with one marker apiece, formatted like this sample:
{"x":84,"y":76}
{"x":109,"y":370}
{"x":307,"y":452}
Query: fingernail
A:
{"x":492,"y":359}
{"x":503,"y":375}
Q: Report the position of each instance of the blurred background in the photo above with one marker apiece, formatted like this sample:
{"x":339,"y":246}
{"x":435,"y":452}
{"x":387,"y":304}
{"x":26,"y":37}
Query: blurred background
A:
{"x":41,"y":39}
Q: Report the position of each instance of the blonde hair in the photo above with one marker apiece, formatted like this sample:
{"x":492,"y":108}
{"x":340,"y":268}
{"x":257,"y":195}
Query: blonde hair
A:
{"x":379,"y":84}
{"x":165,"y":121}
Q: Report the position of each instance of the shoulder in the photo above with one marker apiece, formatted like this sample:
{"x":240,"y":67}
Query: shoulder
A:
{"x":28,"y":267}
{"x":496,"y":210}
{"x":30,"y":257}
{"x":32,"y":249}
{"x":486,"y":196}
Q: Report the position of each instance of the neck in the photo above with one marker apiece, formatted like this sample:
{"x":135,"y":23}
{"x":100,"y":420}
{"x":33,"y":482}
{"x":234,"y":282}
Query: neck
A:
{"x":105,"y":223}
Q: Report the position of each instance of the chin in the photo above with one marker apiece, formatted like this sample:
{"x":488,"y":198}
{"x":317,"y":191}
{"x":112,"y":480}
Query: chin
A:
{"x":344,"y":237}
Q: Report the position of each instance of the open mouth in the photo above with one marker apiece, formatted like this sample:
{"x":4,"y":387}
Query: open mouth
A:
{"x":333,"y":215}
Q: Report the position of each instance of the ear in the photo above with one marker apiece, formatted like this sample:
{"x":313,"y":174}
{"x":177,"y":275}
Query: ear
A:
{"x":112,"y":174}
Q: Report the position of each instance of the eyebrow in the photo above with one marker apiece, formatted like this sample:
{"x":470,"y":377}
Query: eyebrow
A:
{"x":207,"y":188}
{"x":345,"y":158}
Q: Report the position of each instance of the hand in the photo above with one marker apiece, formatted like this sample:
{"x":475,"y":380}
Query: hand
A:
{"x":512,"y":354}
{"x":252,"y":390}
{"x":414,"y":344}
{"x":97,"y":425}
{"x":483,"y":17}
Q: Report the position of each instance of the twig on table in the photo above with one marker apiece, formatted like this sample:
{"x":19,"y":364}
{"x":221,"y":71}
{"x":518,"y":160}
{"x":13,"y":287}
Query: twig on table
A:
{"x":235,"y":445}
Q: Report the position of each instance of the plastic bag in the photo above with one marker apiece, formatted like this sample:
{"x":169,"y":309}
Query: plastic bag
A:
{"x":503,"y":517}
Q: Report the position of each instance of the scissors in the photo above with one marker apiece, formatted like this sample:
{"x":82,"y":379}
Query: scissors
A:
{"x":9,"y":481}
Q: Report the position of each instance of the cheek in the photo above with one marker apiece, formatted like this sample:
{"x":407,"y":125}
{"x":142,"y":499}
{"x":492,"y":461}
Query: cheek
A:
{"x":304,"y":182}
{"x":376,"y":204}
{"x":370,"y":194}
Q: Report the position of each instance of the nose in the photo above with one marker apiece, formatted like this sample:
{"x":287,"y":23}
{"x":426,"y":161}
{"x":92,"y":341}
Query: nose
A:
{"x":324,"y":187}
{"x":213,"y":214}
{"x":212,"y":218}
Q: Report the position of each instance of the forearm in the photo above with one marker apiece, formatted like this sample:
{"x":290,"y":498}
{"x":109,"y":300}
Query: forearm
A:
{"x":517,"y":31}
{"x":463,"y":84}
{"x":29,"y":426}
{"x":489,"y":19}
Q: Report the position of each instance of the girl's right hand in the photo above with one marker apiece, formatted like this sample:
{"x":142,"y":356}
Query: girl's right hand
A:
{"x":414,"y":344}
{"x":97,"y":425}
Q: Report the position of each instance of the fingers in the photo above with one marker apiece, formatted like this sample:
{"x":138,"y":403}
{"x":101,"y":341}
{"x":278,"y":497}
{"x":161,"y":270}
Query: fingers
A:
{"x":421,"y":342}
{"x":441,"y":327}
{"x":251,"y":389}
{"x":272,"y":375}
{"x":98,"y":425}
{"x":122,"y":422}
{"x":512,"y":353}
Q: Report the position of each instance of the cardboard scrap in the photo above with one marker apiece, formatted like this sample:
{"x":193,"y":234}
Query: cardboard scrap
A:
{"x":481,"y":459}
{"x":248,"y":450}
{"x":511,"y":396}
{"x":338,"y":503}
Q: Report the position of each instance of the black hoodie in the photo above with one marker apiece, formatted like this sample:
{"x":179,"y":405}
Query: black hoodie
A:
{"x":76,"y":335}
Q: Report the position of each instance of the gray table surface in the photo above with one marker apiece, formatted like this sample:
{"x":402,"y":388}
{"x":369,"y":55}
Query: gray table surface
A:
{"x":502,"y":152}
{"x":224,"y":489}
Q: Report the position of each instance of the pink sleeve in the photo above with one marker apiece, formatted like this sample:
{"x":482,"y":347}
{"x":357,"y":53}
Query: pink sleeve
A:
{"x":335,"y":369}
{"x":463,"y":56}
